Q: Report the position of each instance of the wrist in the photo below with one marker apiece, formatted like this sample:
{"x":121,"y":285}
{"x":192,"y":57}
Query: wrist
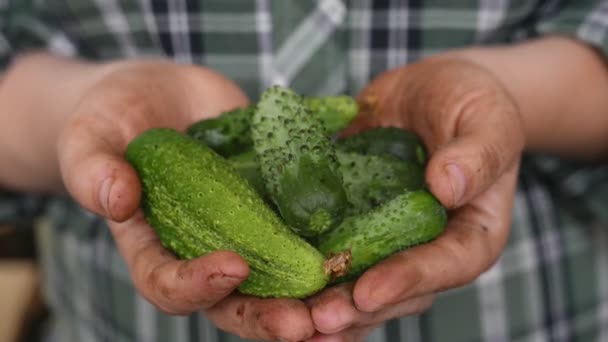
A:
{"x":559,"y":85}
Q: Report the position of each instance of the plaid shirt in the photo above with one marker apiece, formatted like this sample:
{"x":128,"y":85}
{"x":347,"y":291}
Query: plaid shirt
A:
{"x":551,"y":281}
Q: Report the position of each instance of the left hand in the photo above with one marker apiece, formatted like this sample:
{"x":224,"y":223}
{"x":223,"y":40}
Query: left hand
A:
{"x":473,"y":132}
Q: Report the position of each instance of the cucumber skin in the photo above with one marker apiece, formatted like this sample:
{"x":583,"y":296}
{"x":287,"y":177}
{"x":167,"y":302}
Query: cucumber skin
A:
{"x":246,"y":165}
{"x":371,"y":180}
{"x":400,"y":143}
{"x":227,"y":134}
{"x":368,"y":180}
{"x":409,"y":219}
{"x":230,"y":133}
{"x":335,"y":112}
{"x":197,"y":204}
{"x":298,"y":163}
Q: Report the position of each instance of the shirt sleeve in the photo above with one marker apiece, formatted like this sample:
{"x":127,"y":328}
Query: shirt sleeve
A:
{"x":18,"y":209}
{"x":584,"y":20}
{"x":579,"y":189}
{"x":25,"y":27}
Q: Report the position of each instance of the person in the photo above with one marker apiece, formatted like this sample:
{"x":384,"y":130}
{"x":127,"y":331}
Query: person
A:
{"x":509,"y":97}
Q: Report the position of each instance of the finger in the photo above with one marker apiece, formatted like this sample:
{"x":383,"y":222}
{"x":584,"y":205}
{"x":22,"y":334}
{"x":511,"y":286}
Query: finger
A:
{"x":372,"y":102}
{"x":334,"y":310}
{"x":356,"y":334}
{"x":457,"y":120}
{"x":466,"y":165}
{"x":471,"y":242}
{"x":90,"y":153}
{"x":175,"y":286}
{"x":263,"y":319}
{"x":120,"y":107}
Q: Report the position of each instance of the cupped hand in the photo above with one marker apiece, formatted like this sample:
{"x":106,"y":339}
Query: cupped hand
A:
{"x":473,"y":132}
{"x":130,"y":99}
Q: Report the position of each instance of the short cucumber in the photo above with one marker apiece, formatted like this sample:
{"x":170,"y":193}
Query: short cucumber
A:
{"x":335,"y":112}
{"x":368,"y":180}
{"x":229,"y":133}
{"x":298,"y":163}
{"x":246,"y":165}
{"x":371,"y":180}
{"x":409,"y":219}
{"x":401,"y":143}
{"x":197,"y":204}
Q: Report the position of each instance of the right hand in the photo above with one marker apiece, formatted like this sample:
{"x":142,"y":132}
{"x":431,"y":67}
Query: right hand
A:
{"x":135,"y":97}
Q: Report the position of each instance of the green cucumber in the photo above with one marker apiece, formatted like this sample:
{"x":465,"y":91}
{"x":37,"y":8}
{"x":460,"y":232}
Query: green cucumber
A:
{"x":197,"y":204}
{"x":298,"y":163}
{"x":371,"y":180}
{"x":228,"y":134}
{"x":409,"y":219}
{"x":368,"y":180}
{"x":401,"y":143}
{"x":246,"y":165}
{"x":335,"y":112}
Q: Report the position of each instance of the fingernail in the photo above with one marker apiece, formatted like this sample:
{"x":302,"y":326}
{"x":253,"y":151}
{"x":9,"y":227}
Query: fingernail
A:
{"x":457,"y":182}
{"x":104,"y":194}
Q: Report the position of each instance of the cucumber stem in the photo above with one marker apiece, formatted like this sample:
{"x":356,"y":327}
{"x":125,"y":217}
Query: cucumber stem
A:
{"x":339,"y":264}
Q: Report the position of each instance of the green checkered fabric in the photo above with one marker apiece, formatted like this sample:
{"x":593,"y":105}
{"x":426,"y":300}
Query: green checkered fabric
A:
{"x":551,"y":282}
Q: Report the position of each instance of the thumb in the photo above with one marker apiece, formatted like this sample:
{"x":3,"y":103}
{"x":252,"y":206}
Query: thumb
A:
{"x":125,"y":103}
{"x":474,"y":159}
{"x":95,"y":173}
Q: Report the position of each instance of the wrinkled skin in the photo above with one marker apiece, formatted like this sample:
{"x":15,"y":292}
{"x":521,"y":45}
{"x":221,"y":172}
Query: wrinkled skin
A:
{"x":456,"y":107}
{"x":453,"y":105}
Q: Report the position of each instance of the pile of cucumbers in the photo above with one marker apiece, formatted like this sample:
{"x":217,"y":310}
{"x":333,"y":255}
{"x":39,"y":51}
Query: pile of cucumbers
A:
{"x":271,"y":183}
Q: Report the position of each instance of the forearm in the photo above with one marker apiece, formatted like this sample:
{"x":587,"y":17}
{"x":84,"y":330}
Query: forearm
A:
{"x":561,"y":88}
{"x":37,"y":95}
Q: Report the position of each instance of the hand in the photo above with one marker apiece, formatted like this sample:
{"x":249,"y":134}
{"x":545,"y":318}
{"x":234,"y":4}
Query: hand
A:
{"x":135,"y":97}
{"x":473,"y":132}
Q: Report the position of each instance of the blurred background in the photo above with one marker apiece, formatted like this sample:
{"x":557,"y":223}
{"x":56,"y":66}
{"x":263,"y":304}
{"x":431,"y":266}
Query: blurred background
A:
{"x":22,"y":312}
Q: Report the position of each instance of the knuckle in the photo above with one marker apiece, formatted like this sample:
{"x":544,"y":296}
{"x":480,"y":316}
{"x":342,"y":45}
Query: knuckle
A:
{"x":491,"y":160}
{"x":266,"y":321}
{"x":160,"y":286}
{"x":152,"y":279}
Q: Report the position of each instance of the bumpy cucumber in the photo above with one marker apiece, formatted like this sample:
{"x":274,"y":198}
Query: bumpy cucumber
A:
{"x":297,"y":162}
{"x":400,"y":143}
{"x":246,"y":165}
{"x":197,"y":204}
{"x":335,"y":112}
{"x":228,"y":134}
{"x":368,"y":180}
{"x":410,"y":218}
{"x":371,"y":180}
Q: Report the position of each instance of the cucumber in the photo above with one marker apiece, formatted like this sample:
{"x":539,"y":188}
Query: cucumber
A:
{"x":409,"y":219}
{"x":229,"y":133}
{"x":197,"y":204}
{"x":246,"y":165}
{"x":335,"y":112}
{"x":400,"y":143}
{"x":371,"y":180}
{"x":368,"y":180}
{"x":298,"y":163}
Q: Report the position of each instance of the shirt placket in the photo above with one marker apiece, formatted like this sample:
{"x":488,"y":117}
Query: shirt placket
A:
{"x":302,"y":54}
